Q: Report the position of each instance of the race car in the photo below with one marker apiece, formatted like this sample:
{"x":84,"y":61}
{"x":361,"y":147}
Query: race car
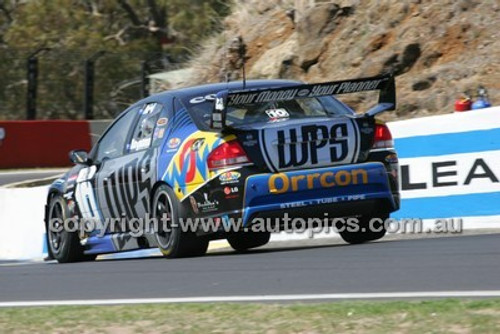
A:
{"x":229,"y":155}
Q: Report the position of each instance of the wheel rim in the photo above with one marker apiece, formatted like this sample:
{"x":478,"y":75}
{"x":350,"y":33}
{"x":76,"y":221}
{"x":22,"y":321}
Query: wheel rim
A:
{"x":56,"y":239}
{"x":163,"y":208}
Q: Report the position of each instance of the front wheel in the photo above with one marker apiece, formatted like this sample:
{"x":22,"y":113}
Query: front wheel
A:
{"x":364,"y":231}
{"x":64,"y":246}
{"x":172,"y":241}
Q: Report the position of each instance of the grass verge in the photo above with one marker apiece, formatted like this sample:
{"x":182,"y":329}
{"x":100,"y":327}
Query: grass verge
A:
{"x":435,"y":316}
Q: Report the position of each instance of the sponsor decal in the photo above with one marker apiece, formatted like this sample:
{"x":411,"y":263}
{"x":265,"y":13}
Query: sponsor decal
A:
{"x":200,"y":99}
{"x":293,"y":205}
{"x":328,"y":200}
{"x":162,"y":121}
{"x":231,"y":192}
{"x":464,"y":172}
{"x":188,"y":168}
{"x":140,"y":144}
{"x":159,"y":133}
{"x":282,"y":183}
{"x":312,"y":144}
{"x":197,"y":144}
{"x":337,"y":199}
{"x":207,"y":205}
{"x":174,"y":143}
{"x":277,"y":113}
{"x":285,"y":94}
{"x":229,"y":177}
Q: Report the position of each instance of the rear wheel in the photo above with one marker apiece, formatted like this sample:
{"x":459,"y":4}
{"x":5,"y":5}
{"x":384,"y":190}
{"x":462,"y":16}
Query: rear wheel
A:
{"x":365,"y":231}
{"x":246,"y":240}
{"x":64,"y":246}
{"x":172,"y":241}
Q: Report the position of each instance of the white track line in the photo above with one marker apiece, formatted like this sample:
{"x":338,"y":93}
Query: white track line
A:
{"x":262,"y":298}
{"x":35,"y":171}
{"x":30,"y":181}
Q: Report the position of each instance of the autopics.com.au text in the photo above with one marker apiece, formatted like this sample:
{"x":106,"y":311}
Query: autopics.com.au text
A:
{"x":311,"y":226}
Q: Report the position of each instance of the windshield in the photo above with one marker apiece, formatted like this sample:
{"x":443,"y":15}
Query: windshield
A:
{"x":244,"y":114}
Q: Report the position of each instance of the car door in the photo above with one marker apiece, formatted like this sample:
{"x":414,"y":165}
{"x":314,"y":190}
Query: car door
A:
{"x":128,"y":179}
{"x":107,"y":154}
{"x":138,"y":166}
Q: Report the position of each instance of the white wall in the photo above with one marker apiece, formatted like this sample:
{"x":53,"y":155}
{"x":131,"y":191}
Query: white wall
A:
{"x":21,"y":222}
{"x":450,"y":165}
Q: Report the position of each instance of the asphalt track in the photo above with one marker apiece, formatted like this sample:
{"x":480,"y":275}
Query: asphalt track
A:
{"x":8,"y":177}
{"x":463,"y":263}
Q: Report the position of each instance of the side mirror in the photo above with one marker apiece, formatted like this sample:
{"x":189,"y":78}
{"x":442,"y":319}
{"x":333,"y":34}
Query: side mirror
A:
{"x":2,"y":134}
{"x":80,"y":157}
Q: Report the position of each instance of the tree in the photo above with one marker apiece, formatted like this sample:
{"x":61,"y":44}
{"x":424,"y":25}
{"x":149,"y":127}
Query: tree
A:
{"x":129,"y":31}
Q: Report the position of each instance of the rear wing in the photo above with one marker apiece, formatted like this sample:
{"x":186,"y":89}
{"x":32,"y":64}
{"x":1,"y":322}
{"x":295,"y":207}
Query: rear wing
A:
{"x":385,"y":84}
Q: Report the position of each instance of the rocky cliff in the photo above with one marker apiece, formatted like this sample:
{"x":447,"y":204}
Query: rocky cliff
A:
{"x":437,"y":49}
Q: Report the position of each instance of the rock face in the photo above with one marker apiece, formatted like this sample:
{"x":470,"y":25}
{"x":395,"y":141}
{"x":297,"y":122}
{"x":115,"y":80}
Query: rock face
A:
{"x":437,"y":49}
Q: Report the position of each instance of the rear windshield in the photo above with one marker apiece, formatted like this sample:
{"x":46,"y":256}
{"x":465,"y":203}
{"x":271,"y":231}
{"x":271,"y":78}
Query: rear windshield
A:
{"x":244,"y":114}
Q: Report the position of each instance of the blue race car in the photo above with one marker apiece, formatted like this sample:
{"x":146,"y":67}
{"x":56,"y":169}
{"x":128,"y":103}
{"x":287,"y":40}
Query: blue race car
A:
{"x":183,"y":167}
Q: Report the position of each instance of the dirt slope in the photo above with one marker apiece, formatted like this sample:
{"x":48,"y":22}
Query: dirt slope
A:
{"x":437,"y":49}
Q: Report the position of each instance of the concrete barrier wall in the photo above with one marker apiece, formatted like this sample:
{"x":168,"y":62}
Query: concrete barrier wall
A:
{"x":450,"y":165}
{"x":450,"y":168}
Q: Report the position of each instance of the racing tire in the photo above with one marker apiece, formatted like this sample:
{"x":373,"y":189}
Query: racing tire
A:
{"x":64,"y":246}
{"x":245,"y":240}
{"x":171,"y":240}
{"x":363,"y":233}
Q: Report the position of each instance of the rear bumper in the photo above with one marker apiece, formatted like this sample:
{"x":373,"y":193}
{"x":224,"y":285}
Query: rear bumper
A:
{"x":332,"y":191}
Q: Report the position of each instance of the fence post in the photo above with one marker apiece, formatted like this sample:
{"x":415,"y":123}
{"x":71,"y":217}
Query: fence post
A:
{"x":144,"y":79}
{"x":88,"y":103}
{"x":32,"y":88}
{"x":32,"y":76}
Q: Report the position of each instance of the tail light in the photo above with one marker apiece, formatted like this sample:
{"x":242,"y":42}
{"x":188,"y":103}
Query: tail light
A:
{"x":383,"y":137}
{"x":228,"y":154}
